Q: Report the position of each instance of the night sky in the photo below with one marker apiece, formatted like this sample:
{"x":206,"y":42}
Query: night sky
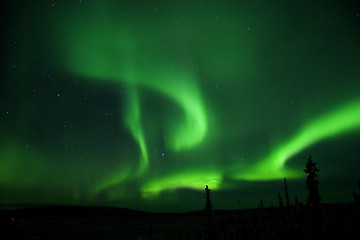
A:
{"x":140,"y":104}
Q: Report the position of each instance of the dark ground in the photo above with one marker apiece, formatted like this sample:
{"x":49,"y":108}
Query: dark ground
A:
{"x":333,"y":221}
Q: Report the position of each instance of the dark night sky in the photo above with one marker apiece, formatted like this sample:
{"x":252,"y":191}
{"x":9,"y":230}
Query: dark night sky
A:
{"x":140,"y":104}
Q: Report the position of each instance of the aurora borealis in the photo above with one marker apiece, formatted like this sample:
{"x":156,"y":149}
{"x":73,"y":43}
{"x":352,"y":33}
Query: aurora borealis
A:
{"x":140,"y":104}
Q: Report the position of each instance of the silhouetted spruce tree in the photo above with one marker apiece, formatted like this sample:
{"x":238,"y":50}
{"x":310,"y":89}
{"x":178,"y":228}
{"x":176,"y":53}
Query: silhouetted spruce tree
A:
{"x":261,"y":204}
{"x":286,"y":193}
{"x":209,"y":230}
{"x":281,"y":204}
{"x":312,"y":183}
{"x":208,"y":203}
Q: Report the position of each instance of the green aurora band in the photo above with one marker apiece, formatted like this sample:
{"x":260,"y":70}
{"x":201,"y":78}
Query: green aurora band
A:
{"x":332,"y":124}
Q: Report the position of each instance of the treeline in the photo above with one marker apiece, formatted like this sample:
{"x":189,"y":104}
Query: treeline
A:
{"x":312,"y":220}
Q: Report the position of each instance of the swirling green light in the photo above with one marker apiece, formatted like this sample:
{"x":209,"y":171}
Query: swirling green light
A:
{"x":110,"y":54}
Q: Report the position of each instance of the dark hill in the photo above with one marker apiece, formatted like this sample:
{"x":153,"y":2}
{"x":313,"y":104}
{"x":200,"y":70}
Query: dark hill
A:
{"x":332,"y":221}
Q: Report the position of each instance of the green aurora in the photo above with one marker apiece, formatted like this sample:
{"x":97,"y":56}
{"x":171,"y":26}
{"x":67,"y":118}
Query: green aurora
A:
{"x":141,"y":105}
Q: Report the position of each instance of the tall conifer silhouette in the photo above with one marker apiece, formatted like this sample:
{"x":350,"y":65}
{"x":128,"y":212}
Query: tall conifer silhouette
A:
{"x":312,"y":183}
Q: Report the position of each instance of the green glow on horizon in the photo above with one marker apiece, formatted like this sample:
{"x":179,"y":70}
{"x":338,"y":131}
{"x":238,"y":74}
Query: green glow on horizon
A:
{"x":192,"y":179}
{"x":337,"y":122}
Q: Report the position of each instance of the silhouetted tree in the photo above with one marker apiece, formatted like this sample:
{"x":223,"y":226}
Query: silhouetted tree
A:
{"x":208,"y":203}
{"x":281,"y":204}
{"x":209,"y":230}
{"x":261,"y":204}
{"x":286,"y":193}
{"x":312,"y":183}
